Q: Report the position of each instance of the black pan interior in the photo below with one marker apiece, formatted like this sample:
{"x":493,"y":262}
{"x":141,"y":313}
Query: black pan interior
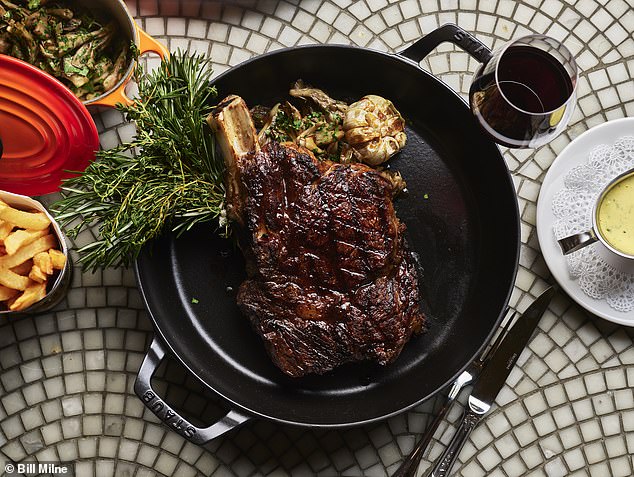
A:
{"x":462,"y":220}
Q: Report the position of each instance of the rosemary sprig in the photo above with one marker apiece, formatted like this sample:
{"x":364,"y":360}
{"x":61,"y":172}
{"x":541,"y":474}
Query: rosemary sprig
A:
{"x":166,"y":178}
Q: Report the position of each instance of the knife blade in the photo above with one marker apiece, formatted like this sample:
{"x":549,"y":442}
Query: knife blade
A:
{"x":492,"y":379}
{"x":494,"y":375}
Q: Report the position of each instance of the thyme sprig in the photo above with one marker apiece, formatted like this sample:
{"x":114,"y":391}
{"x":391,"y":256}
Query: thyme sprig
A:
{"x":166,"y":178}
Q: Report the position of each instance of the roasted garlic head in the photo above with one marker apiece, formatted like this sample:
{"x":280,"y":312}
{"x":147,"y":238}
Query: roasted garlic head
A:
{"x":374,"y":128}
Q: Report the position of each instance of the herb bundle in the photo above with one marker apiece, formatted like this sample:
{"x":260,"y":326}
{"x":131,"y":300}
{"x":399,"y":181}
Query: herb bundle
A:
{"x":166,"y":178}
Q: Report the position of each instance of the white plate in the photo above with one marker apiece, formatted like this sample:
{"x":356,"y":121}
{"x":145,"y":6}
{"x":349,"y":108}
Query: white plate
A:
{"x":576,"y":153}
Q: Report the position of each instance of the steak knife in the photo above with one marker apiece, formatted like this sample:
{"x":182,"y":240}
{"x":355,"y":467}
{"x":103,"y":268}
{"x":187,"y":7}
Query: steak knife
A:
{"x":492,"y":378}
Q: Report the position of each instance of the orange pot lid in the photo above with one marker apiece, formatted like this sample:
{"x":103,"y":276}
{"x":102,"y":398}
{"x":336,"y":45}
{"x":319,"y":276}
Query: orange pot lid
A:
{"x":45,"y":130}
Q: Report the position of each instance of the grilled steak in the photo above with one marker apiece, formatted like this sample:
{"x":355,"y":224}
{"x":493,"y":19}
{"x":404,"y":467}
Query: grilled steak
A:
{"x":330,"y":277}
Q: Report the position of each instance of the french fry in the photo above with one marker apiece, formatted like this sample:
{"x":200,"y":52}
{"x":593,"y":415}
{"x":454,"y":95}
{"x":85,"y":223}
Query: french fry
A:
{"x":28,"y":251}
{"x":20,"y":238}
{"x":5,"y":229}
{"x":6,"y":292}
{"x":44,"y":262}
{"x":10,"y":279}
{"x":23,"y":219}
{"x":37,"y":275}
{"x":10,"y":301}
{"x":32,"y":294}
{"x":28,"y":256}
{"x":58,"y":258}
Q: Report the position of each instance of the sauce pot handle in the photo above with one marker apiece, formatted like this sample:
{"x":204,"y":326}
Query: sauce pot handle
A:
{"x":577,"y":241}
{"x":118,"y":95}
{"x":451,"y":33}
{"x":170,"y":417}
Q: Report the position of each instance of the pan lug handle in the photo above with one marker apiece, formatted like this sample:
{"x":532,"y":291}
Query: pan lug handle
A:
{"x":170,"y":417}
{"x":448,"y":33}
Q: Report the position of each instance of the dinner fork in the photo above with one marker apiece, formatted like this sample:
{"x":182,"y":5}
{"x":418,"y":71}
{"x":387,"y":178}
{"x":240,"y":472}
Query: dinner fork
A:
{"x":410,"y":464}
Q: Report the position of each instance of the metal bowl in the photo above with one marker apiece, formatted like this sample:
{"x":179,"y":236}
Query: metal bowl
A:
{"x":58,"y":286}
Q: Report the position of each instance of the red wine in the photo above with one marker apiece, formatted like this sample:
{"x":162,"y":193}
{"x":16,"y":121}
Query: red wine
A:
{"x":544,"y":84}
{"x":518,"y":108}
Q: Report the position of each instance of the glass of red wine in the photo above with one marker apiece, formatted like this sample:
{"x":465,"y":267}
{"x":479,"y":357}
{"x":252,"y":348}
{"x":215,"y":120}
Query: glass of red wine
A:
{"x":523,"y":94}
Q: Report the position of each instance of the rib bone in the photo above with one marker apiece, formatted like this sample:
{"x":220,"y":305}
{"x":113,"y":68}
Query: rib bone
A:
{"x":236,"y":136}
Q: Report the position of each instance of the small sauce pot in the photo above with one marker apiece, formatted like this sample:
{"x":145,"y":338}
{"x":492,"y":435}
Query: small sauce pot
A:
{"x":612,"y":220}
{"x":144,"y":42}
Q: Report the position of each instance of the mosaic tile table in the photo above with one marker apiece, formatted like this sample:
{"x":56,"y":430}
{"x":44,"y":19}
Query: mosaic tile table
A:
{"x":567,"y":409}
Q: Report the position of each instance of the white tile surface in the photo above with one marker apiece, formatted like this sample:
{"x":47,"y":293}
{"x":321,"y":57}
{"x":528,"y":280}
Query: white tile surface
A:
{"x":569,"y":409}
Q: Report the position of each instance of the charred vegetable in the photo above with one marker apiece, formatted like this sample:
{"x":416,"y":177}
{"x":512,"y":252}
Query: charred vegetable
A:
{"x":73,"y":44}
{"x":317,"y":125}
{"x":370,"y":130}
{"x":374,"y":128}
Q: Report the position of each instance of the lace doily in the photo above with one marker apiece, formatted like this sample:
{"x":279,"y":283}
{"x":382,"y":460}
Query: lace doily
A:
{"x":598,"y":276}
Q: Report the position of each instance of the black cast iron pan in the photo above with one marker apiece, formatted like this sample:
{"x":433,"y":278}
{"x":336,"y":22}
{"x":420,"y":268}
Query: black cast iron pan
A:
{"x":462,"y":221}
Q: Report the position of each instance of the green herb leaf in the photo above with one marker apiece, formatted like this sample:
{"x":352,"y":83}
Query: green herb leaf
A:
{"x":194,"y":300}
{"x":71,"y":69}
{"x":166,"y":178}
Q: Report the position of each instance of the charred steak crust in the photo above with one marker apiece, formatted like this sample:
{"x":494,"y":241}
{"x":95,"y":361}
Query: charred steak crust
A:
{"x":330,"y":277}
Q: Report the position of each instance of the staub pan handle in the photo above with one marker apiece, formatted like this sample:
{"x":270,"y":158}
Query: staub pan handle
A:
{"x":448,"y":33}
{"x":170,"y":417}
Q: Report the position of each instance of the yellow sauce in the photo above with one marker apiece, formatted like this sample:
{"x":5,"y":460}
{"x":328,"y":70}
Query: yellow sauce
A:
{"x":615,"y":216}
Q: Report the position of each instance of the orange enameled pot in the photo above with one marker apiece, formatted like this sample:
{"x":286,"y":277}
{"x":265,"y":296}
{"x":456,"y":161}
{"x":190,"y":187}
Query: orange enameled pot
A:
{"x":46,"y":133}
{"x":144,"y":42}
{"x":45,"y":130}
